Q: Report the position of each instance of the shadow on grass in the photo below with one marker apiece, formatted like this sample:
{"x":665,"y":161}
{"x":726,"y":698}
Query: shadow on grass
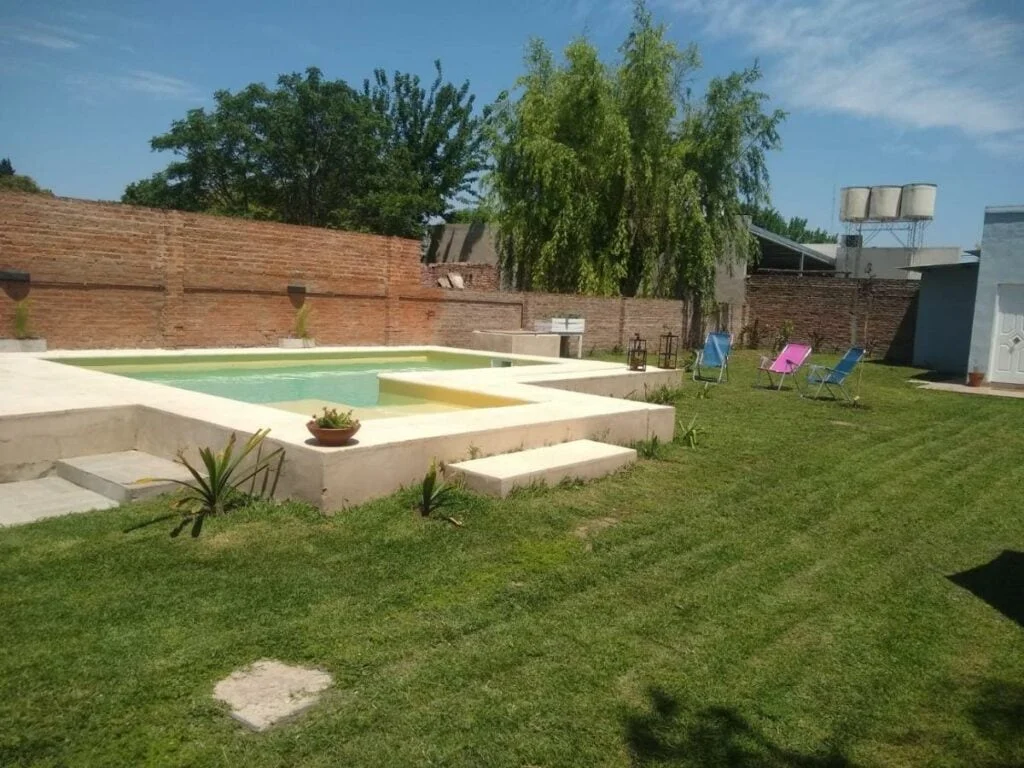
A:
{"x":671,"y":734}
{"x":998,"y":715}
{"x":1000,"y":583}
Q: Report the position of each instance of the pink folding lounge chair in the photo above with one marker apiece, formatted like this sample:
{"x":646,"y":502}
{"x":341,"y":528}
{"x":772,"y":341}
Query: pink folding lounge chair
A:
{"x":786,"y":364}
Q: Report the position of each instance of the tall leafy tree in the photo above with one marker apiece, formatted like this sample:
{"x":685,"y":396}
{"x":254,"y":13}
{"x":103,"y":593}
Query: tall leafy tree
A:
{"x":795,"y":228}
{"x":616,"y":180}
{"x":318,"y":152}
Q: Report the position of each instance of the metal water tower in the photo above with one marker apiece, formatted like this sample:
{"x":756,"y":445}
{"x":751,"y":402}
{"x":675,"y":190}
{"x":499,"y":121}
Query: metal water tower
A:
{"x":904,"y":211}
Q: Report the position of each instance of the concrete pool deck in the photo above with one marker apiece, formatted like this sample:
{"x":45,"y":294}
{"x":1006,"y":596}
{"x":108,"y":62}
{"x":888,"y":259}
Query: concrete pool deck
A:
{"x":51,"y":411}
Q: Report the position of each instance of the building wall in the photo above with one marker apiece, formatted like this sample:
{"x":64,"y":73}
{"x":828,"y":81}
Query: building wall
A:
{"x":834,"y":313}
{"x":1002,"y":261}
{"x":888,"y":263}
{"x":945,"y":311}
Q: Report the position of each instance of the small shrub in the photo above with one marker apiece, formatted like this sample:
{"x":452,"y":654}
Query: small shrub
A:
{"x":704,"y":393}
{"x":651,"y":448}
{"x":222,"y":487}
{"x":689,"y":433}
{"x":750,"y":336}
{"x":331,"y":418}
{"x":22,"y":320}
{"x":783,"y":335}
{"x":434,"y":493}
{"x":663,"y":395}
{"x":302,"y":317}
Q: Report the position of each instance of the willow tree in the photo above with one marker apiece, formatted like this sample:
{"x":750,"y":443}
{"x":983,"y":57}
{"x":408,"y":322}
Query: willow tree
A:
{"x":615,"y":180}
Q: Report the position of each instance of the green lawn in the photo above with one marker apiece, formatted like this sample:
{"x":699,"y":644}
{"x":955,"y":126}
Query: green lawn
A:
{"x":778,"y":596}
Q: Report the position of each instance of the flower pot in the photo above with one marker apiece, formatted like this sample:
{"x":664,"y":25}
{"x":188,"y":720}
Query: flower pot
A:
{"x":975,"y":378}
{"x":333,"y":437}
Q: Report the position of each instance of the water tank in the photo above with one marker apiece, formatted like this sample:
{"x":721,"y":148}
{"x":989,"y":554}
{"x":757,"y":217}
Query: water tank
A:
{"x":853,"y":203}
{"x":918,"y":201}
{"x":885,"y":202}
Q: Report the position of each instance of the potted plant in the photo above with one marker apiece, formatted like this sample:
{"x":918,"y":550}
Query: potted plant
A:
{"x":333,"y":427}
{"x":975,"y":378}
{"x":300,"y":337}
{"x":24,"y":340}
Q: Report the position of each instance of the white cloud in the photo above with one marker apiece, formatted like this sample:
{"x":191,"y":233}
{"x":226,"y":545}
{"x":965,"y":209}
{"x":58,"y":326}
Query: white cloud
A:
{"x":92,"y":86}
{"x":918,"y":63}
{"x":47,"y":36}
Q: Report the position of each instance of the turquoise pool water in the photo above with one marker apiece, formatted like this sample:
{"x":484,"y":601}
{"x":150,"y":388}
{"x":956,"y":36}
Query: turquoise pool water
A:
{"x":349,"y":379}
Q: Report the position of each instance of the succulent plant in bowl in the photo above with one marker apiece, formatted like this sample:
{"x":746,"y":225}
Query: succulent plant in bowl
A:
{"x":333,"y":427}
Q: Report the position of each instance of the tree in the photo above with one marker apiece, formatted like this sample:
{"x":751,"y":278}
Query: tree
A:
{"x":318,"y":152}
{"x":794,"y":228}
{"x":615,"y":180}
{"x":9,"y":180}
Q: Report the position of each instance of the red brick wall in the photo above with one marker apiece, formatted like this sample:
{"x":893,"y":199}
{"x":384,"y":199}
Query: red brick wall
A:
{"x":837,"y":312}
{"x":111,"y":275}
{"x":476,"y":277}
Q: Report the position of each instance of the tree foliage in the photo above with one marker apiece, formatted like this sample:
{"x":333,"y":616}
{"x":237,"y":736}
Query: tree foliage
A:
{"x":794,"y":228}
{"x":10,"y":179}
{"x":318,"y":152}
{"x":615,"y":179}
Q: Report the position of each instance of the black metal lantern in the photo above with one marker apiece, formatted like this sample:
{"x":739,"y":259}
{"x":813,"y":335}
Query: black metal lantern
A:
{"x":636,"y":358}
{"x":668,"y":351}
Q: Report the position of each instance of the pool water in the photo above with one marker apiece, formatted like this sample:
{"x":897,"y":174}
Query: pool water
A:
{"x":299,"y":382}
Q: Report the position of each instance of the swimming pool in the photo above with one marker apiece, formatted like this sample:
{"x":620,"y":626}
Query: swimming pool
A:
{"x":308,"y":381}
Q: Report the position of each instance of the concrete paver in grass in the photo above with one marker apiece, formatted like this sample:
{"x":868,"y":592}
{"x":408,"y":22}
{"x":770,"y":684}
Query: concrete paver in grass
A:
{"x":269,"y":691}
{"x":28,"y":500}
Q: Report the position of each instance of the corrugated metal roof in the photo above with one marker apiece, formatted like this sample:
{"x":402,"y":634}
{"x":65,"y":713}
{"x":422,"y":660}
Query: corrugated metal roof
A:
{"x":792,"y":245}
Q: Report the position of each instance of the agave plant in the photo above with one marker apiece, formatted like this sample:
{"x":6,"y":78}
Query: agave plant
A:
{"x":218,"y":485}
{"x":689,"y":433}
{"x":434,"y":493}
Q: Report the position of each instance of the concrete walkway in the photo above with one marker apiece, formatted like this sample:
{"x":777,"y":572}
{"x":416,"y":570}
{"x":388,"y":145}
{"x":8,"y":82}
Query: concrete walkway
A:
{"x":948,"y":386}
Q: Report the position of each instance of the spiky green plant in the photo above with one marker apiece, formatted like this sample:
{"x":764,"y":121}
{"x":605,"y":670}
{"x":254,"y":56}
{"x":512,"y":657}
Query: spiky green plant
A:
{"x":651,"y":448}
{"x":704,"y":393}
{"x":434,"y":493}
{"x":221,"y":487}
{"x":688,"y":434}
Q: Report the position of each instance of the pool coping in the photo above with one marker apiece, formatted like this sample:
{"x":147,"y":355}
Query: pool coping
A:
{"x":563,"y":400}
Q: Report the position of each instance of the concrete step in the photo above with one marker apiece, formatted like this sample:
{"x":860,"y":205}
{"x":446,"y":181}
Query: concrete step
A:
{"x":29,"y":500}
{"x":576,"y":460}
{"x":122,"y":476}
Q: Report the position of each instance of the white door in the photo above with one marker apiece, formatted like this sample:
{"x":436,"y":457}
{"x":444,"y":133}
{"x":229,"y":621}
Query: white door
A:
{"x":1008,"y":342}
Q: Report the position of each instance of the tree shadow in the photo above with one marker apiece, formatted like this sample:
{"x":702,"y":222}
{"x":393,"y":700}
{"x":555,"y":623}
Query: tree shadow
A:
{"x":671,"y":734}
{"x":998,"y":715}
{"x":999,"y":582}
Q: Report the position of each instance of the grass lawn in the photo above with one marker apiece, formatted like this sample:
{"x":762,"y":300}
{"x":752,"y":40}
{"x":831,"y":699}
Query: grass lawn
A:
{"x":778,"y":596}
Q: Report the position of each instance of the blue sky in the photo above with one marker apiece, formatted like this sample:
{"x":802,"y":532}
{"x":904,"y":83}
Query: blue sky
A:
{"x":878,"y":91}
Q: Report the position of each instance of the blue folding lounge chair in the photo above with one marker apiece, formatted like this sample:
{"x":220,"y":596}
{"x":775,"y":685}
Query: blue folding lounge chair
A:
{"x":826,"y":378}
{"x":715,"y":354}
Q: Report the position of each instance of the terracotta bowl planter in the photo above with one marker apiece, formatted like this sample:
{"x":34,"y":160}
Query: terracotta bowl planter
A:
{"x":333,"y":437}
{"x":975,"y":379}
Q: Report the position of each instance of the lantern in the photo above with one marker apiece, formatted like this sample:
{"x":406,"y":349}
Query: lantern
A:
{"x":668,"y":351}
{"x":636,"y":358}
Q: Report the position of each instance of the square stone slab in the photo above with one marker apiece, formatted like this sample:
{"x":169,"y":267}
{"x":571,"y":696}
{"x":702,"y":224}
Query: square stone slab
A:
{"x":268,"y":691}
